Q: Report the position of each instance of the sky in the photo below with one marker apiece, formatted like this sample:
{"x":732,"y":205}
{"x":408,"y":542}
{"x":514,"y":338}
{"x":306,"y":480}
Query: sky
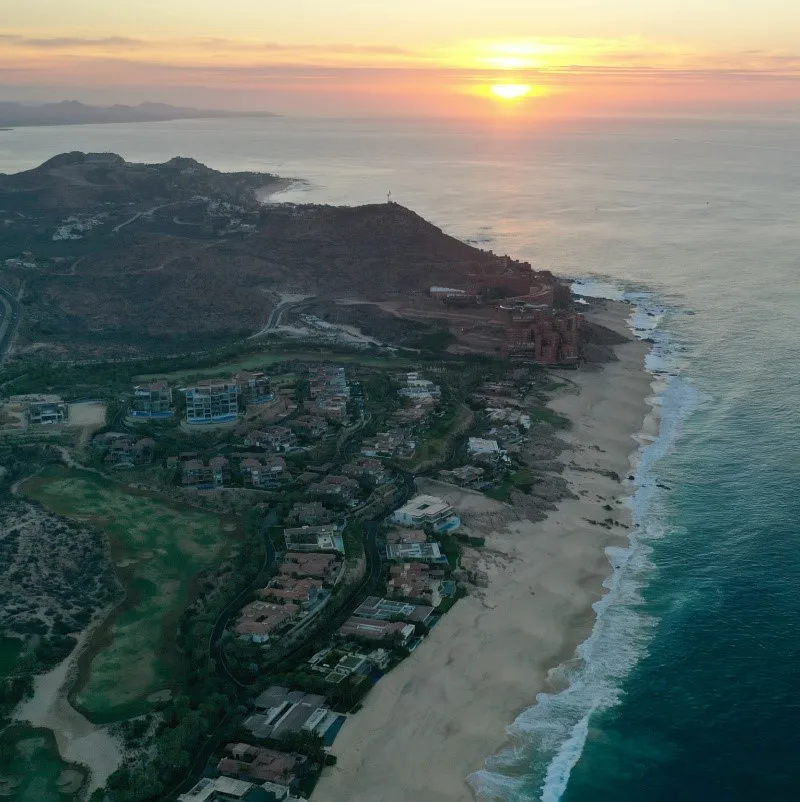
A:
{"x":444,"y":58}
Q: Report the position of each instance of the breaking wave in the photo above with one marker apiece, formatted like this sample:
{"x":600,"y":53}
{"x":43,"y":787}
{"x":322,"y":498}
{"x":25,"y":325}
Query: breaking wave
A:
{"x":549,"y":738}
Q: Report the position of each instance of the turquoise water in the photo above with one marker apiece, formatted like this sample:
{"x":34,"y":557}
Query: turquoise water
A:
{"x":688,"y":687}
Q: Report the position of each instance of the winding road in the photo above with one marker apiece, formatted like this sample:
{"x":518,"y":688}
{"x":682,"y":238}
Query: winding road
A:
{"x":9,"y":321}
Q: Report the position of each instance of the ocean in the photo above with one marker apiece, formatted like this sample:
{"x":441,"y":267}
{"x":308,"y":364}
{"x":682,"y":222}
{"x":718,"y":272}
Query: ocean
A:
{"x":689,"y":686}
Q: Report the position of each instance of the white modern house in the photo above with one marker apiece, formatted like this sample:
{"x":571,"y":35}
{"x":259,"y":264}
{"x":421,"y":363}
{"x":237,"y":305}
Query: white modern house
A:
{"x":430,"y":510}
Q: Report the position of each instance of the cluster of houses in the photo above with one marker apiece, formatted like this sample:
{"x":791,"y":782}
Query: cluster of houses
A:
{"x":399,"y":440}
{"x":329,"y":393}
{"x":311,"y":565}
{"x":249,"y":772}
{"x":254,"y":470}
{"x":121,"y":450}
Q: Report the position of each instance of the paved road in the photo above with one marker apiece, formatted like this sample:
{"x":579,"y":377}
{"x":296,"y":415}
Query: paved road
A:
{"x":9,"y":321}
{"x":275,"y":316}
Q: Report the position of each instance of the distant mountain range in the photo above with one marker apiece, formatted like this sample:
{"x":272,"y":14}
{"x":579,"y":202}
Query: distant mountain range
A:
{"x":72,"y":112}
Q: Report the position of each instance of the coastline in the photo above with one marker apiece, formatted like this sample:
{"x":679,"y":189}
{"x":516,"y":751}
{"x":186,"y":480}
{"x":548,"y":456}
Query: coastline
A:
{"x":436,"y":719}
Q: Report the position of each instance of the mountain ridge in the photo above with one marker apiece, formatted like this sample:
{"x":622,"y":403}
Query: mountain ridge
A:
{"x":73,"y":112}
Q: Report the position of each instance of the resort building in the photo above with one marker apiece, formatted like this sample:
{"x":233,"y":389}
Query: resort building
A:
{"x":47,"y":411}
{"x":313,"y":538}
{"x":430,"y":510}
{"x":152,"y":401}
{"x":212,"y":401}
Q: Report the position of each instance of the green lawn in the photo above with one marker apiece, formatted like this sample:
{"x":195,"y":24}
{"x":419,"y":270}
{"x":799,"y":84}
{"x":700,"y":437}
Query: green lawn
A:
{"x":158,"y":548}
{"x":434,"y":446}
{"x":266,"y":358}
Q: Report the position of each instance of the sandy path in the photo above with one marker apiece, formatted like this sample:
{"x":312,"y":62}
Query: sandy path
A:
{"x":436,"y":718}
{"x":78,"y":739}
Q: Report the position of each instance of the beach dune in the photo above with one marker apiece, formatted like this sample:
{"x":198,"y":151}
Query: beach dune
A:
{"x":437,"y":717}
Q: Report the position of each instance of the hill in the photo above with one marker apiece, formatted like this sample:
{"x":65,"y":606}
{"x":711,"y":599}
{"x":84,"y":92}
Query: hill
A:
{"x":121,"y":259}
{"x":72,"y":112}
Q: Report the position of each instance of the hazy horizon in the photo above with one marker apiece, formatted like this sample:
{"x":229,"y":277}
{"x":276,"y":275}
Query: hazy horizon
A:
{"x":440,"y":59}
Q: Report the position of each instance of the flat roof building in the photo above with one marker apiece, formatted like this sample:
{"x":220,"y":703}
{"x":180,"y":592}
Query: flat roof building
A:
{"x":372,"y":629}
{"x":152,"y":401}
{"x":313,"y":538}
{"x":212,"y":401}
{"x":431,"y":510}
{"x":479,"y":445}
{"x":386,"y":609}
{"x":222,"y":789}
{"x":47,"y":411}
{"x":279,"y":711}
{"x":414,"y":552}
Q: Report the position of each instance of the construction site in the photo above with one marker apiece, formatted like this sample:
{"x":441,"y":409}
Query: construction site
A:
{"x":506,"y":309}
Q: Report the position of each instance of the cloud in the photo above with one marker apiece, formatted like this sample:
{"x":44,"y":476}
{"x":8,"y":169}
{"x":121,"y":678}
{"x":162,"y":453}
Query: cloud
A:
{"x":197,"y":44}
{"x":69,"y":42}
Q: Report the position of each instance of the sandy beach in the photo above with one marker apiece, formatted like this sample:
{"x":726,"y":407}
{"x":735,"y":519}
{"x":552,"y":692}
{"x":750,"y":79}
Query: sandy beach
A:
{"x":438,"y":716}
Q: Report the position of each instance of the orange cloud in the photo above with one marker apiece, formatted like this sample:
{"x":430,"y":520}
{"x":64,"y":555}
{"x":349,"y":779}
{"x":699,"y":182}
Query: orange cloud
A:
{"x":567,"y":76}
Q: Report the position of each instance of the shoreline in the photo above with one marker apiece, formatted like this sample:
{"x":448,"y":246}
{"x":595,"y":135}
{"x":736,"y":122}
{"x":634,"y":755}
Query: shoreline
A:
{"x":435,"y":720}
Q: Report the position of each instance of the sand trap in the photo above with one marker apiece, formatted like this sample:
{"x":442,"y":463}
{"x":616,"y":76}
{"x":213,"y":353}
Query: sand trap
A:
{"x":87,"y":413}
{"x":160,"y":696}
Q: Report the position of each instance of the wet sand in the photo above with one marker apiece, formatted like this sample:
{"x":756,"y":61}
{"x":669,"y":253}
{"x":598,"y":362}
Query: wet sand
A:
{"x":438,"y":716}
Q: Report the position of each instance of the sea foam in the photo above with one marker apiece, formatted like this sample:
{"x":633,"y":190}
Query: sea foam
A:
{"x":549,"y":738}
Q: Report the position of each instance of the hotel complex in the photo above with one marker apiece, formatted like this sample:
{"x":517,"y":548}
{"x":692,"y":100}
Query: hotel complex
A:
{"x":212,"y":401}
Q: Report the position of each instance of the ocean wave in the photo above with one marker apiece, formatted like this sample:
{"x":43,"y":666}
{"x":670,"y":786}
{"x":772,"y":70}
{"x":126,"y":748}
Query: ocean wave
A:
{"x":550,"y":737}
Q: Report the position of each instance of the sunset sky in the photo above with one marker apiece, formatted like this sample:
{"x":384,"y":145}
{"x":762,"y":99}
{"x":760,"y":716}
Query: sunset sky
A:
{"x":448,"y":58}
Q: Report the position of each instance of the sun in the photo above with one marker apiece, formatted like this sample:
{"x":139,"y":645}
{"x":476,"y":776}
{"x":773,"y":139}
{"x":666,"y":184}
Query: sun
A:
{"x":511,"y":91}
